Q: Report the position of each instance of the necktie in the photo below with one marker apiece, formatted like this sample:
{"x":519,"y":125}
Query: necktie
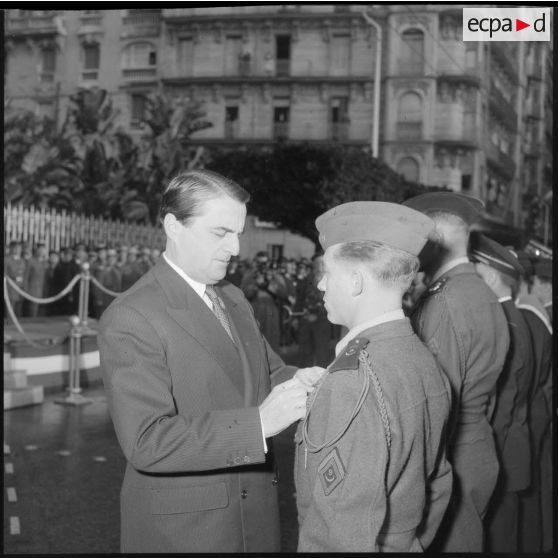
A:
{"x":219,"y":309}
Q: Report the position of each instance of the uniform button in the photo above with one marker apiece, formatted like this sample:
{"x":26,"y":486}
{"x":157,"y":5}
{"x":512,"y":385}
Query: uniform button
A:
{"x":246,"y":459}
{"x":237,"y":460}
{"x":275,"y":481}
{"x":244,"y":494}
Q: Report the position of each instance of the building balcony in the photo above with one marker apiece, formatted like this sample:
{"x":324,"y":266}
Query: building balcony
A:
{"x":408,"y":131}
{"x":470,"y":76}
{"x":409,"y":67}
{"x":282,"y":68}
{"x":93,"y":19}
{"x":339,"y":131}
{"x":501,"y":161}
{"x":90,"y":75}
{"x":139,"y":74}
{"x":280,"y":130}
{"x":232,"y":129}
{"x":32,"y":25}
{"x":141,"y":24}
{"x":502,"y":108}
{"x":467,"y":139}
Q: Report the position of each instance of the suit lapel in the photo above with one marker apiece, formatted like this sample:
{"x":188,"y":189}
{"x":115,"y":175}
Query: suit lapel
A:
{"x":249,"y":345}
{"x":189,"y":311}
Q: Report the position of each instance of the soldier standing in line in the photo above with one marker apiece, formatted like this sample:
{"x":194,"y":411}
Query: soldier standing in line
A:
{"x":14,"y":268}
{"x":501,"y":271}
{"x":536,"y":504}
{"x":461,"y":321}
{"x":35,"y":277}
{"x":370,"y":467}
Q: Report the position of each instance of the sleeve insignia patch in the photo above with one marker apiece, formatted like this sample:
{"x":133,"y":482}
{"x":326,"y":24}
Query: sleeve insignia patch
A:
{"x":331,"y":471}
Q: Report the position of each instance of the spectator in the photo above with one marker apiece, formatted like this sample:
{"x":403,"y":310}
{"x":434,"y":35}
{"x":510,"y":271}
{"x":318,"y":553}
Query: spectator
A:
{"x":144,"y":262}
{"x":52,"y":309}
{"x":110,"y":278}
{"x":35,"y":279}
{"x":131,"y":271}
{"x":154,"y":256}
{"x":14,"y":268}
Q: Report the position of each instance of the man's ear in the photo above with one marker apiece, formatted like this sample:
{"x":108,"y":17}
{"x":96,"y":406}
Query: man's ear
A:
{"x":357,"y":282}
{"x":170,"y":225}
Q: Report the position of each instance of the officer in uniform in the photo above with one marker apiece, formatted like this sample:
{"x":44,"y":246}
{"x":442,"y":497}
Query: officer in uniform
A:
{"x":461,"y":321}
{"x":370,"y":468}
{"x":536,"y":503}
{"x":501,"y":271}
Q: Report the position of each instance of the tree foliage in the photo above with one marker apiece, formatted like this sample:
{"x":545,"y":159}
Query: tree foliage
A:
{"x":291,"y":184}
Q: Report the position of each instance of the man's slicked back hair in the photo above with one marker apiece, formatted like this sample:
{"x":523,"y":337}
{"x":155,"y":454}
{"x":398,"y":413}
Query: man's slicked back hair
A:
{"x":188,"y":191}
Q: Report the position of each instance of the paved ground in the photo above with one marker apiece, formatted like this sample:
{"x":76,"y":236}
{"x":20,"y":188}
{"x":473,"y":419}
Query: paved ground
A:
{"x":62,"y":474}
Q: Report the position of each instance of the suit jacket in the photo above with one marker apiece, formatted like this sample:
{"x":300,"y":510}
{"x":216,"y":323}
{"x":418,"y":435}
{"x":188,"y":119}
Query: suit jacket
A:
{"x":510,"y":418}
{"x":184,"y":402}
{"x":358,"y":495}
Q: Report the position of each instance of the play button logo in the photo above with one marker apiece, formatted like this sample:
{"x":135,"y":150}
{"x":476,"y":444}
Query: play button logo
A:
{"x":523,"y":23}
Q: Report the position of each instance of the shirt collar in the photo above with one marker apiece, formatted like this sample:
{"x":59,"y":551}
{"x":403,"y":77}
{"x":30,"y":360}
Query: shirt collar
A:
{"x":198,"y":287}
{"x":382,"y":318}
{"x":450,"y":265}
{"x":503,"y":299}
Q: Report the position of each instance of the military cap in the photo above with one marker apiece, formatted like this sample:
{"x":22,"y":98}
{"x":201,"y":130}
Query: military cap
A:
{"x":492,"y":253}
{"x":543,"y":268}
{"x":388,"y":223}
{"x":111,"y":252}
{"x":466,"y":207}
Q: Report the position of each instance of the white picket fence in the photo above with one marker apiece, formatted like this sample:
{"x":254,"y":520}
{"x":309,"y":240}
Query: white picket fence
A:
{"x":56,"y":230}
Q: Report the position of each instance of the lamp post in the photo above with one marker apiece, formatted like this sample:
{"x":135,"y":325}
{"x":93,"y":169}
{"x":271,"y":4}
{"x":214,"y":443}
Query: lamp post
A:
{"x":374,"y":141}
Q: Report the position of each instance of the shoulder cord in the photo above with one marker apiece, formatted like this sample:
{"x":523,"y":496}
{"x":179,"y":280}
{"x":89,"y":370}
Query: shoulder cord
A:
{"x":364,"y":358}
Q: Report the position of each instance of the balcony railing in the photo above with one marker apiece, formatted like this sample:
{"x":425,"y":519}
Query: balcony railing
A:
{"x":91,"y":19}
{"x":90,"y":75}
{"x":409,"y":130}
{"x":144,"y":20}
{"x":139,"y":73}
{"x":339,"y":131}
{"x":32,"y":24}
{"x":280,"y":130}
{"x":282,"y":67}
{"x":231,"y":129}
{"x":46,"y":77}
{"x":410,"y":67}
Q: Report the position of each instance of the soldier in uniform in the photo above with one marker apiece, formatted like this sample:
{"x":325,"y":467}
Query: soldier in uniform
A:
{"x":501,"y":271}
{"x":14,"y":268}
{"x":370,"y":467}
{"x":536,"y":503}
{"x":461,"y":321}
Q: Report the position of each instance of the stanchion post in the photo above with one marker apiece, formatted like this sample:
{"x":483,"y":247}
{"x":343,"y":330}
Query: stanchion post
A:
{"x":74,"y":397}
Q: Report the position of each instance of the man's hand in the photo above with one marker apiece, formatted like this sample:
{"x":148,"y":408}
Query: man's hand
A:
{"x":284,"y":405}
{"x":309,"y":377}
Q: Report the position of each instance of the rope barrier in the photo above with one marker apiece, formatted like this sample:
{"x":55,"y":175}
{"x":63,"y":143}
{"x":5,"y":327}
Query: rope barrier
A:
{"x":16,"y":322}
{"x":48,"y":300}
{"x":102,"y":287}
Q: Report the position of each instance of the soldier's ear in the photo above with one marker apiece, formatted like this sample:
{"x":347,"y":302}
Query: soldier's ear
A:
{"x":170,"y":224}
{"x":357,"y":281}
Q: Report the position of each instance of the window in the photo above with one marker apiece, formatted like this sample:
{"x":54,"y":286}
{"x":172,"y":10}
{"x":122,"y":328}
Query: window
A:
{"x":409,"y":168}
{"x":412,"y":52}
{"x":231,"y":121}
{"x":92,"y":57}
{"x":48,"y":60}
{"x":232,"y":54}
{"x":340,"y":54}
{"x":276,"y":251}
{"x":138,"y":108}
{"x":139,"y":55}
{"x":283,"y":55}
{"x":409,"y":116}
{"x":339,"y":118}
{"x":185,"y":56}
{"x":281,"y":115}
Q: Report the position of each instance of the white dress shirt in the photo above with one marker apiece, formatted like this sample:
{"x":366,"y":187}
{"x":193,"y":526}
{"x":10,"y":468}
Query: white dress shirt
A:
{"x":199,"y":289}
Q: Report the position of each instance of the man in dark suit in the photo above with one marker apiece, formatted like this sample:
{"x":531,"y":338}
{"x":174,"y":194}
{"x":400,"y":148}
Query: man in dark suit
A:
{"x":188,"y":377}
{"x":461,"y":321}
{"x":501,"y":271}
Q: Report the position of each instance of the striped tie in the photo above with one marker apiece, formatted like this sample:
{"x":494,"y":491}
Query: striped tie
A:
{"x":219,"y":309}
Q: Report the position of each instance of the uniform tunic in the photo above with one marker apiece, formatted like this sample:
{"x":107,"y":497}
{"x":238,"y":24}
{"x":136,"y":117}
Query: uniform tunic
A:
{"x":359,"y":494}
{"x":511,"y":432}
{"x":537,"y":526}
{"x":463,"y":324}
